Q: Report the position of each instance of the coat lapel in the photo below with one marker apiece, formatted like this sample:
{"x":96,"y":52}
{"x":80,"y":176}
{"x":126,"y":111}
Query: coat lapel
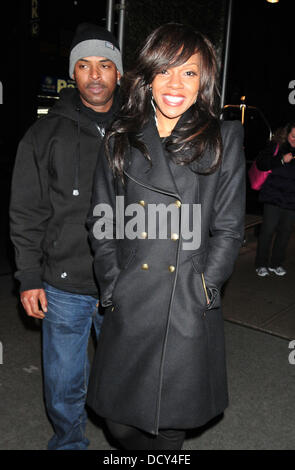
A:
{"x":161,"y":174}
{"x":155,"y":174}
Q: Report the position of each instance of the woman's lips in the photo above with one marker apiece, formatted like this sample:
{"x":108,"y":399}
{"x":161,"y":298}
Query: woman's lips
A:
{"x":173,"y":100}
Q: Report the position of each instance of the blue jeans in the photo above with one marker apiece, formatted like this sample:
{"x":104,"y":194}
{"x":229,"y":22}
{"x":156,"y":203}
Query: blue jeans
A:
{"x":66,"y":330}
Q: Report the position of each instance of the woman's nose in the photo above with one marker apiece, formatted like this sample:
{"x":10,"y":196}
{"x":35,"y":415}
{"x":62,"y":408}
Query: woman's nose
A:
{"x":175,"y":80}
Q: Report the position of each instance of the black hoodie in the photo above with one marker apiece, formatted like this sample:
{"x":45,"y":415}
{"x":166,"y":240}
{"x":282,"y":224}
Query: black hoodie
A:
{"x":51,"y":193}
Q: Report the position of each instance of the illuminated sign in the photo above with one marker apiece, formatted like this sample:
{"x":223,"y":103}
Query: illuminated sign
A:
{"x":35,"y":19}
{"x":52,"y":85}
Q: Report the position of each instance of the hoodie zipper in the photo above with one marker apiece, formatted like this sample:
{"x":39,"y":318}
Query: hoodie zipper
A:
{"x":101,"y":130}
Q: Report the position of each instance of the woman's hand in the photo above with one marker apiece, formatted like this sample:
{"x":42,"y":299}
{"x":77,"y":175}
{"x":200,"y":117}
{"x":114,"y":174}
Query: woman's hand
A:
{"x":288,"y":157}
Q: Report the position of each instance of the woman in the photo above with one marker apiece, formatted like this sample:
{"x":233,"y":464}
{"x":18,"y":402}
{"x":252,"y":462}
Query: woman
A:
{"x":278,"y":196}
{"x":160,"y":365}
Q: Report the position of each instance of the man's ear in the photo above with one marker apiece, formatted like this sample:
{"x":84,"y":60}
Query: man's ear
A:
{"x":118,"y":76}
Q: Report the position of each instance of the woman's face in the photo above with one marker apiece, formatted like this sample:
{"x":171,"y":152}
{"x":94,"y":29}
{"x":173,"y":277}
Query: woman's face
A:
{"x":174,"y":90}
{"x":291,"y":137}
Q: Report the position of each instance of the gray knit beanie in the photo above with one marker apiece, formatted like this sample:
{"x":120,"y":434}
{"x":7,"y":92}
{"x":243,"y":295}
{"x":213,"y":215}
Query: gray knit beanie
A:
{"x":92,"y":40}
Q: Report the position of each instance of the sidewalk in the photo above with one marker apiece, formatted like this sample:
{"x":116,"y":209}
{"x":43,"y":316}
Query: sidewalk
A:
{"x":261,"y":379}
{"x":266,"y":304}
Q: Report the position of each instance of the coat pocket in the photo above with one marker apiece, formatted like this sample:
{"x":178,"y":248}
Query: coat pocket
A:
{"x":211,"y":295}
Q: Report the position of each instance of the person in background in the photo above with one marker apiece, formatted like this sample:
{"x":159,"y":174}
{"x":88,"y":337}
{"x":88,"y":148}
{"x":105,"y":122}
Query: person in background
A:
{"x":278,"y":196}
{"x":159,"y":368}
{"x":50,"y":198}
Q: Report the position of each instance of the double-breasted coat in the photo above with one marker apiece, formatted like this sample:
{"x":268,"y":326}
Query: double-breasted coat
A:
{"x":160,"y":361}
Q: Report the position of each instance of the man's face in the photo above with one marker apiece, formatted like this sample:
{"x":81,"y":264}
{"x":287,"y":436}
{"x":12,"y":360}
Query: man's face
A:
{"x":96,"y":79}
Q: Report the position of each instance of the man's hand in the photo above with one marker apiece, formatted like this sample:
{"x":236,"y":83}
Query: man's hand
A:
{"x":30,"y":300}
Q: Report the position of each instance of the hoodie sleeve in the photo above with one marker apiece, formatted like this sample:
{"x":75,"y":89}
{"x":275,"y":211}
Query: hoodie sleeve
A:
{"x":29,"y":213}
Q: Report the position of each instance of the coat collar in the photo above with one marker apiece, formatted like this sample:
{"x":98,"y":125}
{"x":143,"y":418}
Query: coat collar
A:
{"x":156,"y":173}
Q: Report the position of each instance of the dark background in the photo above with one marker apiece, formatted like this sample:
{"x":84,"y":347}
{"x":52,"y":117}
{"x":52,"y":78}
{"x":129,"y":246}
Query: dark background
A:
{"x":262,"y":57}
{"x":35,"y":37}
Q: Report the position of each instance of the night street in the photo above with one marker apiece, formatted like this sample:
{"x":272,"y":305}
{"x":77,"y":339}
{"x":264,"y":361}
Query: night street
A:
{"x":260,"y":369}
{"x":255,"y":75}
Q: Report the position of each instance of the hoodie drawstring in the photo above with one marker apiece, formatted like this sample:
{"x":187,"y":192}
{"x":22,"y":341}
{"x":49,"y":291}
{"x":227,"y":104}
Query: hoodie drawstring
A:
{"x":77,"y":160}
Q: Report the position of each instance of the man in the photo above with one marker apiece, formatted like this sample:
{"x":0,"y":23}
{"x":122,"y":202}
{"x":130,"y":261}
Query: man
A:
{"x":51,"y":191}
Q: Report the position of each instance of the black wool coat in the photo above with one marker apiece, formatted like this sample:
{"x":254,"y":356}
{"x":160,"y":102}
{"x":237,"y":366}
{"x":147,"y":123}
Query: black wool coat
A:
{"x":160,"y":360}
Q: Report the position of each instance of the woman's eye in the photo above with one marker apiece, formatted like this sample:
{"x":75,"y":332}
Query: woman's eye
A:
{"x":191,"y":73}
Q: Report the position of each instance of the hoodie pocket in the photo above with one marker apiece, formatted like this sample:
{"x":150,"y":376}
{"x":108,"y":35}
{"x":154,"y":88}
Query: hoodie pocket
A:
{"x":69,"y":255}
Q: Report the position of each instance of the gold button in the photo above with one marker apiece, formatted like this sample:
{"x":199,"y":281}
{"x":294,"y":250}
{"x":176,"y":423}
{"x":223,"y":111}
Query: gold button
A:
{"x":144,"y":235}
{"x":145,"y":266}
{"x":174,"y":236}
{"x":142,"y":203}
{"x":171,"y":269}
{"x":113,"y":308}
{"x":177,"y":203}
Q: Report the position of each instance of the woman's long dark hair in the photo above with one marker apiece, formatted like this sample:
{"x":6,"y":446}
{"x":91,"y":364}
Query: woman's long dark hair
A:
{"x":168,"y":46}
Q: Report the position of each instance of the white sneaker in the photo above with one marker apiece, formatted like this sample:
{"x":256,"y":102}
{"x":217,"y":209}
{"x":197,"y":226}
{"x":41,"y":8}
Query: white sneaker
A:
{"x":262,"y":271}
{"x":279,"y":271}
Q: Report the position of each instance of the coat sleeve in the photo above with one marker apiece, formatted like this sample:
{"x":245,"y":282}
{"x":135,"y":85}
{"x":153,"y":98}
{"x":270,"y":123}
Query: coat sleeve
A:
{"x":29,"y":213}
{"x":228,"y":217}
{"x":101,"y":222}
